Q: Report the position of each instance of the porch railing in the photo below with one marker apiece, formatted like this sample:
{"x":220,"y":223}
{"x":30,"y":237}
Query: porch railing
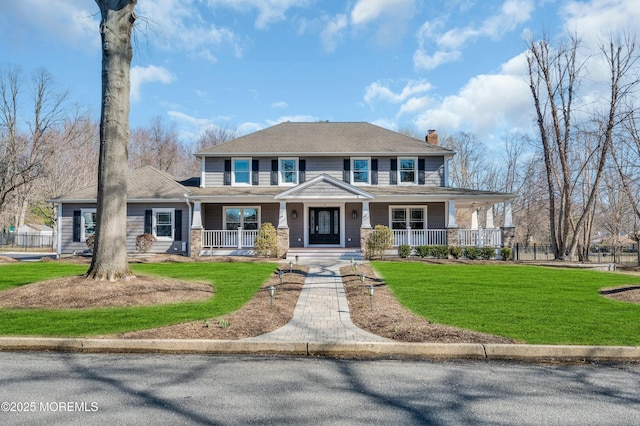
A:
{"x":419,"y":237}
{"x":480,"y":237}
{"x":432,"y":237}
{"x":239,"y":238}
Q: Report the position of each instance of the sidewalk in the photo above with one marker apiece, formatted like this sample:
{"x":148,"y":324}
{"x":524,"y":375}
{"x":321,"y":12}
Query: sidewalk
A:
{"x":322,"y":311}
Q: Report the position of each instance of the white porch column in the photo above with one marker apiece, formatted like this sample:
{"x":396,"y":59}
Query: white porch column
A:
{"x":489,"y":218}
{"x":474,"y":219}
{"x":282,"y":217}
{"x":452,"y":221}
{"x":508,"y":215}
{"x":197,"y":215}
{"x":366,"y":217}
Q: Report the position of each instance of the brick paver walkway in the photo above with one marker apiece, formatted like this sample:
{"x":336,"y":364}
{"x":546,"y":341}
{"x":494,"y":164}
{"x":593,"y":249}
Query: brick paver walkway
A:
{"x":322,"y":312}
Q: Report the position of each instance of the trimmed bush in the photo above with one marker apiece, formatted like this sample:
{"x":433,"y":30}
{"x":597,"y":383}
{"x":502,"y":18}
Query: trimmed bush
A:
{"x":455,"y":251}
{"x":505,"y":252}
{"x":487,"y":253}
{"x":404,"y":251}
{"x":144,"y":242}
{"x":90,"y":242}
{"x":423,"y":251}
{"x":471,"y":253}
{"x":380,"y":240}
{"x":267,"y":241}
{"x":439,"y":252}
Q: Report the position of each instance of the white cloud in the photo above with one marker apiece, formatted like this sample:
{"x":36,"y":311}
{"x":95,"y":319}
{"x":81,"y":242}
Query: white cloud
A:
{"x":377,"y":91}
{"x":248,"y":127}
{"x":332,"y":32}
{"x":269,"y":11}
{"x":391,"y":18}
{"x":149,"y":74}
{"x":596,"y":20}
{"x":447,"y":45}
{"x":279,"y":104}
{"x":74,"y":21}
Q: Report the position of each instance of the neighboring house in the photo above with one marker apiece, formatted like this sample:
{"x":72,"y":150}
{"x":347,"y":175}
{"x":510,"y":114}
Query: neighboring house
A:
{"x":321,"y":185}
{"x":34,"y":235}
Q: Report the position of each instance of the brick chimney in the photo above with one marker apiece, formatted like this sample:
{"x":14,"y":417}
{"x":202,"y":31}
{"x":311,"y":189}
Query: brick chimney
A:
{"x":432,"y":137}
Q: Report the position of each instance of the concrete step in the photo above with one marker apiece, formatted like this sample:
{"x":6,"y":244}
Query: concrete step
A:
{"x":324,"y":253}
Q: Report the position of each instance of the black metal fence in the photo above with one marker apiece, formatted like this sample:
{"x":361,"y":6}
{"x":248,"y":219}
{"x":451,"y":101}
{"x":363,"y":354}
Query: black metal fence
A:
{"x":599,"y":254}
{"x":18,"y":241}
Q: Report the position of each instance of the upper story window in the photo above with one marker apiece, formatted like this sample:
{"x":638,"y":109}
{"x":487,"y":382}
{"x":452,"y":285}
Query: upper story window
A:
{"x":407,"y":170}
{"x":361,"y":171}
{"x":288,"y":174}
{"x":241,"y":171}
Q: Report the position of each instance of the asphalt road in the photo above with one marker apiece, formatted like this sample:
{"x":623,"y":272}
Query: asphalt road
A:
{"x":87,"y":389}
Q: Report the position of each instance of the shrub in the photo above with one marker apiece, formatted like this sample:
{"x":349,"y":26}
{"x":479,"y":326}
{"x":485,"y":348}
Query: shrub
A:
{"x":423,"y":251}
{"x":487,"y":253}
{"x":267,"y":241}
{"x":380,"y":240}
{"x":455,"y":252}
{"x":505,"y":252}
{"x":471,"y":253}
{"x":404,"y":251}
{"x":144,"y":242}
{"x":90,"y":242}
{"x":439,"y":252}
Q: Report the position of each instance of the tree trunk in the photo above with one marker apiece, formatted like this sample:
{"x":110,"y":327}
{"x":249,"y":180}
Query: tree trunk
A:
{"x":110,"y":250}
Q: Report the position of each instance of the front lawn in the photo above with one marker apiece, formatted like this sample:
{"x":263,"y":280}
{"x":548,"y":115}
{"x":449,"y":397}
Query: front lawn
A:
{"x":527,"y":303}
{"x":234,"y":284}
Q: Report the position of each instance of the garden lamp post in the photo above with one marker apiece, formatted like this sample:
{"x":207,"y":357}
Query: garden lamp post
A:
{"x":297,"y":258}
{"x":370,"y":288}
{"x":290,"y":266}
{"x":280,"y":275}
{"x":272,"y":291}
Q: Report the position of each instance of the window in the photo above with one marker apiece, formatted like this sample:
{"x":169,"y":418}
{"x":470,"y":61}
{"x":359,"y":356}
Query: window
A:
{"x":407,"y":170}
{"x":404,"y":217}
{"x":163,"y":224}
{"x":241,"y":171}
{"x":241,"y":217}
{"x":288,"y":171}
{"x":360,"y":171}
{"x":88,"y":223}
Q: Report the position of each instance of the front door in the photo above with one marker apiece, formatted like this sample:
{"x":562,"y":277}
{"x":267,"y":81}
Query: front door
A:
{"x":324,"y":225}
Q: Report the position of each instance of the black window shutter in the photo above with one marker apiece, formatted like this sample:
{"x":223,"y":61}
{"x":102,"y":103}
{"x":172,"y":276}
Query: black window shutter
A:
{"x":77,"y":223}
{"x":274,"y":172}
{"x":227,"y":172}
{"x":255,"y":168}
{"x":374,"y":171}
{"x":346,"y":170}
{"x":421,"y":177}
{"x":148,"y":221}
{"x":302,"y":171}
{"x":177,"y":233}
{"x":393,"y":173}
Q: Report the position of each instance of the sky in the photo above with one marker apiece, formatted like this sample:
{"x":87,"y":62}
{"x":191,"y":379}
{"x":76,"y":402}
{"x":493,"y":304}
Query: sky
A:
{"x":245,"y":65}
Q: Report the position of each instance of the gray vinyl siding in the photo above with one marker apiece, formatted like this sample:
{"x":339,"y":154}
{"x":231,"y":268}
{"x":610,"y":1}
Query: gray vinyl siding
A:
{"x":434,"y":171}
{"x":135,"y":227}
{"x":212,"y":214}
{"x":296,"y":226}
{"x":331,"y":166}
{"x":213,"y":172}
{"x":379,"y":213}
{"x":352,"y":226}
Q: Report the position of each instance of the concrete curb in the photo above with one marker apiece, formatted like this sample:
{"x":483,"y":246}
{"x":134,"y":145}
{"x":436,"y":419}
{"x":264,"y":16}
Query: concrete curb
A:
{"x":378,"y":350}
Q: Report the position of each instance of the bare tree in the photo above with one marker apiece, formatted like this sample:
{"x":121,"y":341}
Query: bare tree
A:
{"x":110,"y":251}
{"x":555,"y":75}
{"x":158,"y":145}
{"x":470,"y":168}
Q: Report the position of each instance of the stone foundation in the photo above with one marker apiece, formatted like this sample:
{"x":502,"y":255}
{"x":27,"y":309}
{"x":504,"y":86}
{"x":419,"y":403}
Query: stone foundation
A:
{"x":364,"y":236}
{"x":196,"y":242}
{"x":283,"y":242}
{"x":452,"y":237}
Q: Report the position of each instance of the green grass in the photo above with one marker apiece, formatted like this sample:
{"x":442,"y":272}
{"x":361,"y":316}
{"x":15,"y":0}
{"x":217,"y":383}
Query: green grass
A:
{"x":234,"y":283}
{"x":526,"y":303}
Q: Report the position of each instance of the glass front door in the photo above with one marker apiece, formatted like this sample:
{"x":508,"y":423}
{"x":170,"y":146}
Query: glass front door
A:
{"x":324,"y":225}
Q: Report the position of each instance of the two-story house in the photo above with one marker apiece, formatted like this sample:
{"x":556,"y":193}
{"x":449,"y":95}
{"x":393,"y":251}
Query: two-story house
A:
{"x":320,"y":184}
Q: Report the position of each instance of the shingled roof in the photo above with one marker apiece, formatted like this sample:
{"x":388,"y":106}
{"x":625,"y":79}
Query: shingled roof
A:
{"x":145,"y":183}
{"x":321,"y":138}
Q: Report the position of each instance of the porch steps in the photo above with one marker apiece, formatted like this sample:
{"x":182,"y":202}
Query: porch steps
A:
{"x":324,"y":253}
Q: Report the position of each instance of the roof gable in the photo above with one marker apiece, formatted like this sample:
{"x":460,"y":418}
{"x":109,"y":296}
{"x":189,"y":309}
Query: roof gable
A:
{"x":324,"y":187}
{"x":324,"y":138}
